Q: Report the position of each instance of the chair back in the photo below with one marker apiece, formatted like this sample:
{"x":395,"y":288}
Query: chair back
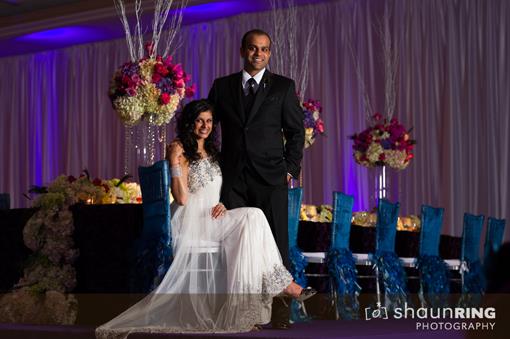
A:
{"x":153,"y":251}
{"x":342,"y":216}
{"x":386,"y":229}
{"x":154,"y":184}
{"x":494,"y":235}
{"x":431,"y":224}
{"x":471,"y":235}
{"x":5,"y":201}
{"x":294,"y":210}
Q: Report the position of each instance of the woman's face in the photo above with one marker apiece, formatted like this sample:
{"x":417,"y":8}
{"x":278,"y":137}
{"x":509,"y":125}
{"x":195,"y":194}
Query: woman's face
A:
{"x":203,"y":125}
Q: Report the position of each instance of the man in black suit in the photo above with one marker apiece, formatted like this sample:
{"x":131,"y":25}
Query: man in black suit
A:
{"x":257,"y":109}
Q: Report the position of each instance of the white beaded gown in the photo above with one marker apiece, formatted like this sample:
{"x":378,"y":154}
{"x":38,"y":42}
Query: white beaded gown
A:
{"x":224,"y":274}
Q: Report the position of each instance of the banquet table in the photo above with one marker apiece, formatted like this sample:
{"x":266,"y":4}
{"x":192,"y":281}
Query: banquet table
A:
{"x":105,"y":236}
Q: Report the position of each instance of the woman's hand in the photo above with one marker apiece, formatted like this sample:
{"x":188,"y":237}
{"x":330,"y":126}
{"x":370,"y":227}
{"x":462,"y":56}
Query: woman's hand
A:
{"x":218,"y":210}
{"x":175,"y":152}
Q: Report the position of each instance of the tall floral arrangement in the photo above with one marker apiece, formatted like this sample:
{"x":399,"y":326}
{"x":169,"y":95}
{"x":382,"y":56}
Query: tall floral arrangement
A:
{"x":384,"y":143}
{"x":150,"y":88}
{"x":314,"y":125}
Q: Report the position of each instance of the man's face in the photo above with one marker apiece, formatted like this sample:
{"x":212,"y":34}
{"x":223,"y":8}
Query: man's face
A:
{"x":256,"y":53}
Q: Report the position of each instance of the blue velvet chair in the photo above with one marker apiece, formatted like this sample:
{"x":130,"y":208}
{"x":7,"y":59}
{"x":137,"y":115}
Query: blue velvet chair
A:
{"x":434,"y":272}
{"x":472,"y":277}
{"x":153,"y":252}
{"x":388,"y":266}
{"x":340,"y":261}
{"x":493,"y":236}
{"x":298,"y":261}
{"x":5,"y":201}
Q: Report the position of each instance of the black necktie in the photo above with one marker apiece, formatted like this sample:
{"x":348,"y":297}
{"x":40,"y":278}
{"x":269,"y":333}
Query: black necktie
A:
{"x":250,"y":97}
{"x":252,"y":86}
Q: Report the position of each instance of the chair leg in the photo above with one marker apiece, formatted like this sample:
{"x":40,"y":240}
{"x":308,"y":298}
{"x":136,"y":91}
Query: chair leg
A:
{"x":334,"y":297}
{"x":302,"y":305}
{"x":377,"y":287}
{"x":462,"y":270}
{"x":421,"y":295}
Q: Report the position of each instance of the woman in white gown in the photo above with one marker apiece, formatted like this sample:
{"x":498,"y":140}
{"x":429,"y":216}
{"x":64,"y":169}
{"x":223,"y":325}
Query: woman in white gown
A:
{"x":226,"y":267}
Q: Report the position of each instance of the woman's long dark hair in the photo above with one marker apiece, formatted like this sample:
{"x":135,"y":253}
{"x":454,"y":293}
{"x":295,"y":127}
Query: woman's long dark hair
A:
{"x":186,"y":125}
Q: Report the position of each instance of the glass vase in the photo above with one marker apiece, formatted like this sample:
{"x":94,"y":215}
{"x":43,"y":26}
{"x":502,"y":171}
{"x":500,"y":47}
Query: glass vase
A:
{"x":382,"y":184}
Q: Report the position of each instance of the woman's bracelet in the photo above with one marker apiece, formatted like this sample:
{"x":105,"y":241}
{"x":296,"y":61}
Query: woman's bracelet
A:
{"x":176,"y":171}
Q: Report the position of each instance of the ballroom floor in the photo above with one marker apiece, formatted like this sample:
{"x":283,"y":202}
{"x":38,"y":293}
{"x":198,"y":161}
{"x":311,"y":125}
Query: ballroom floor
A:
{"x":325,"y":329}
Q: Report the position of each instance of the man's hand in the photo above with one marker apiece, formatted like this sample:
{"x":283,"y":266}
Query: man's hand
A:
{"x":218,"y":211}
{"x":289,"y":178}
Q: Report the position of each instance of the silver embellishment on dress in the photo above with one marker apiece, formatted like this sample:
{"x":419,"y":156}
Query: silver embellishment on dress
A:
{"x":276,"y":280}
{"x":201,"y":173}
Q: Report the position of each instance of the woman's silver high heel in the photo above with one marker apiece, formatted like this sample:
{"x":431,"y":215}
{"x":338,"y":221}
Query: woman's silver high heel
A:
{"x":306,"y":293}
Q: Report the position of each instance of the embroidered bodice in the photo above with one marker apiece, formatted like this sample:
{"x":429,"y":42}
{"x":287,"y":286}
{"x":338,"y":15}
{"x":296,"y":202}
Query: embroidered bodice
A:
{"x":202,"y":172}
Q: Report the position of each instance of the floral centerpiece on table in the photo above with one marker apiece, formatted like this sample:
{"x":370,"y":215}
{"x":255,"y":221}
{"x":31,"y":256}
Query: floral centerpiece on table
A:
{"x":42,"y":294}
{"x":149,"y":88}
{"x":384,"y":144}
{"x":314,"y":125}
{"x":322,"y":213}
{"x":122,"y":192}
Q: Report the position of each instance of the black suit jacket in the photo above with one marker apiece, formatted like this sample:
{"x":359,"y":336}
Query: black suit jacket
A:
{"x":257,"y":136}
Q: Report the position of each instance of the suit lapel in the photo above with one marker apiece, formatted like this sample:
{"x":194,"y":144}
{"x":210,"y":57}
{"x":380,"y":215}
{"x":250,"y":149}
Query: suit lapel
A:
{"x":236,"y":92}
{"x":264,"y":87}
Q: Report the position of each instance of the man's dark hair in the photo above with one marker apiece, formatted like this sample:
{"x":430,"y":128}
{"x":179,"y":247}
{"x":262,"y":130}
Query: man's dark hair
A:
{"x":256,"y":31}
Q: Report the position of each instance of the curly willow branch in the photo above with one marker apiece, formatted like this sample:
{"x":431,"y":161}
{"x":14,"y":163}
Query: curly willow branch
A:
{"x":287,"y":59}
{"x":161,"y":13}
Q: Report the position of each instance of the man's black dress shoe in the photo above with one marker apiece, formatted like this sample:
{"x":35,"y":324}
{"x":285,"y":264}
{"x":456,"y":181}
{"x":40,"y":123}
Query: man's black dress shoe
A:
{"x":280,"y":315}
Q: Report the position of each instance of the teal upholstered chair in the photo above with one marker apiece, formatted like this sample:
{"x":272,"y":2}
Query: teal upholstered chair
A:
{"x":472,"y":277}
{"x":153,"y":250}
{"x":340,"y":260}
{"x":434,"y":272}
{"x":493,"y":236}
{"x":388,"y":266}
{"x":298,"y":261}
{"x":5,"y":201}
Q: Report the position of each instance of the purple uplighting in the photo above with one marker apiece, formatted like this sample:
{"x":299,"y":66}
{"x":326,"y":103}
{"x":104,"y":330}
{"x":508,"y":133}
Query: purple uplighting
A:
{"x":63,"y":34}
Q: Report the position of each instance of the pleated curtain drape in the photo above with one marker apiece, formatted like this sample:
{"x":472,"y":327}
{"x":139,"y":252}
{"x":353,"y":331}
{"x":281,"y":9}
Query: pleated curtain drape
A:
{"x":453,"y":82}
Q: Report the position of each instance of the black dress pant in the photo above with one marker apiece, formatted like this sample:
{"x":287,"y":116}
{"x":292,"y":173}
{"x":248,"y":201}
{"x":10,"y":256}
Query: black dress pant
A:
{"x":250,"y":190}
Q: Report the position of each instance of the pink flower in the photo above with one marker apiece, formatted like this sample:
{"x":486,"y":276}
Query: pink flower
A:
{"x":136,"y":79}
{"x":165,"y":98}
{"x":161,"y":69}
{"x":179,"y":83}
{"x":131,"y":91}
{"x":126,"y":81}
{"x":168,"y":61}
{"x":377,"y":116}
{"x":156,"y":78}
{"x":178,"y":72}
{"x":190,"y":91}
{"x":320,"y":126}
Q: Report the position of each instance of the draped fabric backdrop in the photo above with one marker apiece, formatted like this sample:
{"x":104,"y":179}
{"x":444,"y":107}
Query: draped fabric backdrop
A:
{"x":453,"y":88}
